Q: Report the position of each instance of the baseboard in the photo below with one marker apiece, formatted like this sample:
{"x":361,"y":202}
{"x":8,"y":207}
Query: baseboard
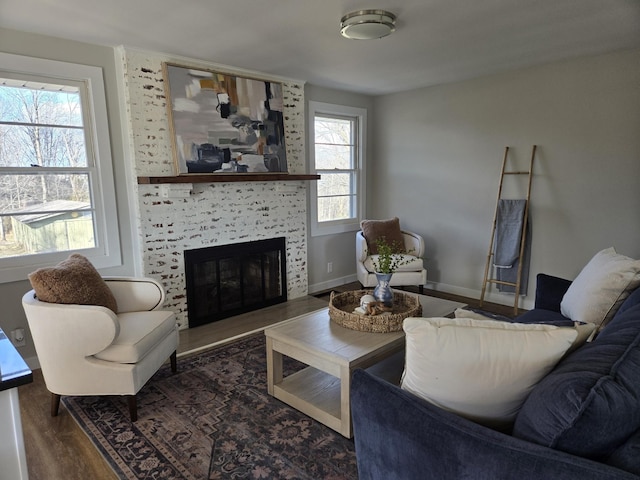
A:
{"x":492,"y":297}
{"x":329,"y":284}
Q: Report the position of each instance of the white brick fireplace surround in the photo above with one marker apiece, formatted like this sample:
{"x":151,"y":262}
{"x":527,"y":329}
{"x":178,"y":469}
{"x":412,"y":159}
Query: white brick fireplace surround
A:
{"x":172,"y":220}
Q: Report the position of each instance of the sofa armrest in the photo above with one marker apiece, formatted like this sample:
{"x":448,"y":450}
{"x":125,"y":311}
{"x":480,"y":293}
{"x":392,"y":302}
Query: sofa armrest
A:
{"x":549,"y":291}
{"x":399,"y":436}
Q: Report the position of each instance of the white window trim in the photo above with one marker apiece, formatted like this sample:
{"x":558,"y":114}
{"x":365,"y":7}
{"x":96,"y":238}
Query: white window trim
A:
{"x":352,"y":224}
{"x":107,"y":252}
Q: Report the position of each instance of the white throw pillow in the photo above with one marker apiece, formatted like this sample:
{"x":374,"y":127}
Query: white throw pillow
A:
{"x":586,"y":331}
{"x":601,"y":287}
{"x":480,"y":369}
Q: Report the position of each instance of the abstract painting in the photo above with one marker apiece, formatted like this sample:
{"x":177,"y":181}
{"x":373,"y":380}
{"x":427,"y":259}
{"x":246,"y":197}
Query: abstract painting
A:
{"x":223,"y":123}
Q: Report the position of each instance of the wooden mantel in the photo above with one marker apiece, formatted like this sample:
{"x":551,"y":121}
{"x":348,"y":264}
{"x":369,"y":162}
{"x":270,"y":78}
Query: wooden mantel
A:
{"x":226,"y":177}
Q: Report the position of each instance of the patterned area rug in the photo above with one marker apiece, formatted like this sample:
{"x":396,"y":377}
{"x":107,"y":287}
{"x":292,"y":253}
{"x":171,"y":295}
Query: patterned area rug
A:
{"x":213,"y":420}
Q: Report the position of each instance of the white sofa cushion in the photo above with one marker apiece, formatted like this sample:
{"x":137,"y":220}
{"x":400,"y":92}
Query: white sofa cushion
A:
{"x":601,"y":287}
{"x":480,"y":369}
{"x":139,"y":334}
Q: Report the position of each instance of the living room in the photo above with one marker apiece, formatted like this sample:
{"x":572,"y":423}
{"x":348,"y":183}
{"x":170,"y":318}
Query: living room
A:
{"x":434,"y":156}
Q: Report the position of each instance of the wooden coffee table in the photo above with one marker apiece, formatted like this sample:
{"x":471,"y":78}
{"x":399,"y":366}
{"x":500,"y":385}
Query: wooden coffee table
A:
{"x":332,"y":353}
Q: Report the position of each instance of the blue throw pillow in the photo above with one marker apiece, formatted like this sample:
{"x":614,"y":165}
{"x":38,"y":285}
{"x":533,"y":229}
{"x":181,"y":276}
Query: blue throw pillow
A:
{"x":589,"y":405}
{"x":549,"y":291}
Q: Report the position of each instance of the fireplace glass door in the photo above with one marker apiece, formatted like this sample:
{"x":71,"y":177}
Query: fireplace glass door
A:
{"x":227,"y":280}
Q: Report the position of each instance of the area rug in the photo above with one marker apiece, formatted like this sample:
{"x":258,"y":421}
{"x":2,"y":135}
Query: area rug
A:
{"x":213,"y":419}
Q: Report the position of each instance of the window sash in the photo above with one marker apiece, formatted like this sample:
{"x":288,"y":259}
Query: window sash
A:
{"x":86,"y":80}
{"x":350,"y":150}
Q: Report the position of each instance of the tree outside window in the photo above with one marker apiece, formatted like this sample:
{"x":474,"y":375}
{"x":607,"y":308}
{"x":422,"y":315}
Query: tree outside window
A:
{"x":45,"y":191}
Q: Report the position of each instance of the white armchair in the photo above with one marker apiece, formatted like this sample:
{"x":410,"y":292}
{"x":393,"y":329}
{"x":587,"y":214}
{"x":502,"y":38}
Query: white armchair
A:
{"x":90,"y":350}
{"x":411,"y":273}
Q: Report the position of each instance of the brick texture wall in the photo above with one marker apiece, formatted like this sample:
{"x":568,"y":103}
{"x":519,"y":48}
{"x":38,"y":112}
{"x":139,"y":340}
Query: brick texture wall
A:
{"x":212,"y":213}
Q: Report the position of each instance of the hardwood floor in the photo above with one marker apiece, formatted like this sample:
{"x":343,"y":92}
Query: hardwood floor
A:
{"x":194,"y":339}
{"x":57,"y":448}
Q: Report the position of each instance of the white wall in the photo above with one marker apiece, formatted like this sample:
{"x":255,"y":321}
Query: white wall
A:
{"x":437,"y":155}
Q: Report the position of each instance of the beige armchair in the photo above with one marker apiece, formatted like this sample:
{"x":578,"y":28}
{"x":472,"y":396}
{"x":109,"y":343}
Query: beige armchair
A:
{"x":90,"y":350}
{"x":412,"y":273}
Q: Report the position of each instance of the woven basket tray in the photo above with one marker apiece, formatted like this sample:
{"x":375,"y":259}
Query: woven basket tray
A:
{"x":341,"y":306}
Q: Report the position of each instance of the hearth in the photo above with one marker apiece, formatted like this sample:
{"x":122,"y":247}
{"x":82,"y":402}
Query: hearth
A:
{"x":227,"y":280}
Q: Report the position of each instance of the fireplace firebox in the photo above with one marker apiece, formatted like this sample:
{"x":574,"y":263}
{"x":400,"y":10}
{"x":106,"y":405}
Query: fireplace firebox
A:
{"x":227,"y":280}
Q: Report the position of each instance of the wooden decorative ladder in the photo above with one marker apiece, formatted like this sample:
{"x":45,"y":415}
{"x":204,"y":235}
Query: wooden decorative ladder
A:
{"x":488,"y":271}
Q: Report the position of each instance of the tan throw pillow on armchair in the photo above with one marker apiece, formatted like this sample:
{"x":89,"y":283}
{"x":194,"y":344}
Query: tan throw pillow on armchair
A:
{"x":73,"y":281}
{"x":373,"y":230}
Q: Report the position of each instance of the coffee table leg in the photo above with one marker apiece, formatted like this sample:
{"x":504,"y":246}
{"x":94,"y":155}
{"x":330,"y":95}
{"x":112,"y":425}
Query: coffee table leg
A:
{"x":345,"y":406}
{"x":274,"y":367}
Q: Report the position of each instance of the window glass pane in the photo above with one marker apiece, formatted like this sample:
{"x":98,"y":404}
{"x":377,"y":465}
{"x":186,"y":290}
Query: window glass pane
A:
{"x":24,"y":101}
{"x":29,"y":146}
{"x":20,"y":191}
{"x":334,"y":156}
{"x":339,"y":137}
{"x":335,"y":184}
{"x":335,"y":131}
{"x":334,"y":208}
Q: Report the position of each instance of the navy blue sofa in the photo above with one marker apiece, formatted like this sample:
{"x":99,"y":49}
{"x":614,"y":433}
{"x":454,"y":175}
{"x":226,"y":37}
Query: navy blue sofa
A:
{"x":582,"y":421}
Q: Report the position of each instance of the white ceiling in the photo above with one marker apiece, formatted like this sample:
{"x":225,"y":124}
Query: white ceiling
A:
{"x":436,"y":41}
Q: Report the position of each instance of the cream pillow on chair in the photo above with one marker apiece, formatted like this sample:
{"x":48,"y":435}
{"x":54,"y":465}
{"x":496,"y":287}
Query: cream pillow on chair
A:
{"x":601,"y":287}
{"x":480,"y":369}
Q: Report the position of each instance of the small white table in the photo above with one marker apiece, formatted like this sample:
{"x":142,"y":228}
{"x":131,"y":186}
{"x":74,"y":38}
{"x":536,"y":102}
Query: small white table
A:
{"x":331,"y":352}
{"x":13,"y":372}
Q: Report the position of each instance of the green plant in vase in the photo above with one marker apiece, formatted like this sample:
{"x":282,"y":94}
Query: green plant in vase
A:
{"x":389,"y":258}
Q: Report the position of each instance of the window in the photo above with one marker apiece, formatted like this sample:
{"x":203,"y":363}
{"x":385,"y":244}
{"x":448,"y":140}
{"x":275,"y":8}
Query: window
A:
{"x":337,"y":199}
{"x":56,"y":180}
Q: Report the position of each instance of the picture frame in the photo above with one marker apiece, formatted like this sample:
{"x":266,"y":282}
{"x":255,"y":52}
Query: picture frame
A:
{"x":223,"y":123}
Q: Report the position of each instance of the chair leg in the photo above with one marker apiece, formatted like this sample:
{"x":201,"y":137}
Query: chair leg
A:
{"x":174,"y":362}
{"x":55,"y":404}
{"x":421,"y":289}
{"x":133,"y":407}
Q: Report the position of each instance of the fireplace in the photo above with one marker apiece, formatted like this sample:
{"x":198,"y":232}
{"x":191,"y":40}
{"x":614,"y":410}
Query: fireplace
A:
{"x":228,"y":280}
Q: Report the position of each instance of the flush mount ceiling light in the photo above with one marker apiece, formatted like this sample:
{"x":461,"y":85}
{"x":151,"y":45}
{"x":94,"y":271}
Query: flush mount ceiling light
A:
{"x":367,"y":24}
